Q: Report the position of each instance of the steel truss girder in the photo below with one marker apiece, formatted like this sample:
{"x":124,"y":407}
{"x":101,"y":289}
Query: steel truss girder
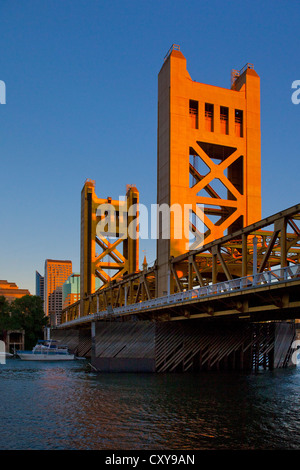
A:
{"x":225,"y":258}
{"x":235,"y":255}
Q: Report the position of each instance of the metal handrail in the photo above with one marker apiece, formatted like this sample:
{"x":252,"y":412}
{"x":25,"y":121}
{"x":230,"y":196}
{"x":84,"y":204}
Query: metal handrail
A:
{"x":246,"y":66}
{"x":174,"y":47}
{"x":236,"y":73}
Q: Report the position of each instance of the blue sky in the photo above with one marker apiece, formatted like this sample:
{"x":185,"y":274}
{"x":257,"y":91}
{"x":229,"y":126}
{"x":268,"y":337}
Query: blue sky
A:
{"x":81,"y":83}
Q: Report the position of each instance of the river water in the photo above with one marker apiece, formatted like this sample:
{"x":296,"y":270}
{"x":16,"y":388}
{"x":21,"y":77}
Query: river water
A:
{"x":48,"y":406}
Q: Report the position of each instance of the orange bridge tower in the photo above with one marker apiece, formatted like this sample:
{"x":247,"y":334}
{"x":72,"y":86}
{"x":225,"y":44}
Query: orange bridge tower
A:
{"x":209,"y":169}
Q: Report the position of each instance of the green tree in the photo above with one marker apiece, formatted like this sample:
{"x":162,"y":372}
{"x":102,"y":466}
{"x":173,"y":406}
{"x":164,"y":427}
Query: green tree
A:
{"x":27,"y":313}
{"x":7,"y":322}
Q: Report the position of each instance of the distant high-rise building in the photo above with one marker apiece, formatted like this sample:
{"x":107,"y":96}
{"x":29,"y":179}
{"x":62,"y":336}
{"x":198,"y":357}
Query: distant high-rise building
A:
{"x":11,"y":291}
{"x":39,"y":285}
{"x":71,"y":290}
{"x":56,"y":273}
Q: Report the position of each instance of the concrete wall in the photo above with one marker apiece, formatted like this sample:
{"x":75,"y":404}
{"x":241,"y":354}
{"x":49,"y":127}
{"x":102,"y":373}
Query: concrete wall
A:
{"x":285,"y":333}
{"x":124,"y":347}
{"x":77,"y":340}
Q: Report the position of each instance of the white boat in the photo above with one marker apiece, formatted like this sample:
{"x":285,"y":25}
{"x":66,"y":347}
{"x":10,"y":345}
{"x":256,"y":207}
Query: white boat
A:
{"x":47,"y":350}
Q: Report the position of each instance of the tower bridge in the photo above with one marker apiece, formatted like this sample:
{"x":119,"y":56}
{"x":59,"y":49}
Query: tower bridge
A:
{"x":225,"y":294}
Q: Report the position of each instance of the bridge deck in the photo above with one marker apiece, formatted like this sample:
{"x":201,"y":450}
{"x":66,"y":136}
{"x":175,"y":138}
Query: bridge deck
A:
{"x":270,"y":295}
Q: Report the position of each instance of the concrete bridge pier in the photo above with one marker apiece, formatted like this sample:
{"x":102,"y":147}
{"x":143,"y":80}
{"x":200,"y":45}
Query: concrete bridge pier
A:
{"x":185,"y":346}
{"x":181,"y":346}
{"x":78,"y":340}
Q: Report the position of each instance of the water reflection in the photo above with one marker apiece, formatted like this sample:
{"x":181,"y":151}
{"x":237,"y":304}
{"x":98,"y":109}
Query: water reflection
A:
{"x":50,"y":406}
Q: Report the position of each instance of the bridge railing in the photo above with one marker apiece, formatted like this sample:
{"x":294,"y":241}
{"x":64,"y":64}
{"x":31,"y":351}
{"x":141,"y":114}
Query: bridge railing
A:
{"x":286,"y":274}
{"x":242,"y":283}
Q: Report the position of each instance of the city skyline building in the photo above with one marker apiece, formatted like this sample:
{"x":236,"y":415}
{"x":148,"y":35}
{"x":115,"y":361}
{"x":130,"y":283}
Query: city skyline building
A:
{"x":39,"y":285}
{"x":71,"y":290}
{"x":56,"y":273}
{"x":11,"y":291}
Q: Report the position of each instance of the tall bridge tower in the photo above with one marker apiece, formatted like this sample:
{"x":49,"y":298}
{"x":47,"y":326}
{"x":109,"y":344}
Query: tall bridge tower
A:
{"x":209,"y":170}
{"x":107,"y":251}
